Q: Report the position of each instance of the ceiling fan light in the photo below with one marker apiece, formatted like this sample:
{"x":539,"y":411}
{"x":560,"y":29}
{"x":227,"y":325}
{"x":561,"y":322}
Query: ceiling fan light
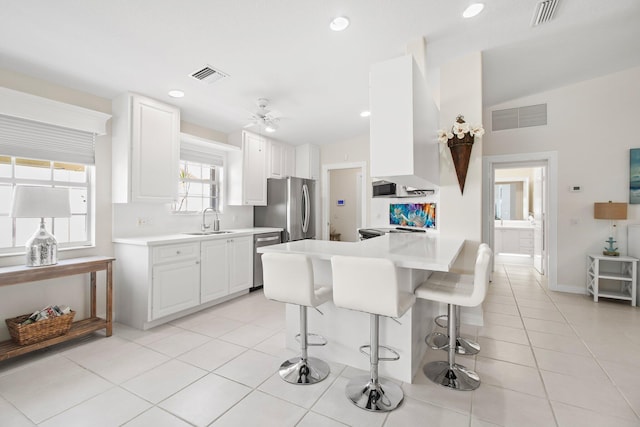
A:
{"x":270,"y":128}
{"x":365,"y":113}
{"x":339,"y":23}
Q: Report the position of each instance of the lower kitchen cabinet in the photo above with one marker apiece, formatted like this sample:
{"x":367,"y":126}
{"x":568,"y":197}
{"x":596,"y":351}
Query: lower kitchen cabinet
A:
{"x":161,"y":283}
{"x":227,"y":267}
{"x":240,"y":264}
{"x":175,"y":287}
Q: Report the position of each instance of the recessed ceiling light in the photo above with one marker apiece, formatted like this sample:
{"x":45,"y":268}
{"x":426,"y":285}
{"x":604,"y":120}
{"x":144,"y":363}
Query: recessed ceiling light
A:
{"x":473,"y":10}
{"x":365,"y":114}
{"x":176,"y":93}
{"x":339,"y":23}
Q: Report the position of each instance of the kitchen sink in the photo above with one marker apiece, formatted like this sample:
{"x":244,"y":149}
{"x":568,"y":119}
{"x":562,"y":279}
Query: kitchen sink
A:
{"x":207,"y":233}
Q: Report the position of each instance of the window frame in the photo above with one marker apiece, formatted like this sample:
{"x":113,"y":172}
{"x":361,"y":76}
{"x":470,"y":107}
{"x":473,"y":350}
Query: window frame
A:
{"x":52,"y":182}
{"x":218,"y":184}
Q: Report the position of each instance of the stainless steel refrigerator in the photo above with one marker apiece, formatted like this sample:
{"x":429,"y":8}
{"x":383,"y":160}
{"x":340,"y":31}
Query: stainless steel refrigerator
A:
{"x":290,"y":206}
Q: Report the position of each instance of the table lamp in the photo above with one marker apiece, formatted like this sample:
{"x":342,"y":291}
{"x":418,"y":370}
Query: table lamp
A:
{"x":41,"y":202}
{"x":611,"y":211}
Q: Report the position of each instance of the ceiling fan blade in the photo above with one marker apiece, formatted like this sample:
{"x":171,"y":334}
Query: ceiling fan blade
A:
{"x":249,"y":125}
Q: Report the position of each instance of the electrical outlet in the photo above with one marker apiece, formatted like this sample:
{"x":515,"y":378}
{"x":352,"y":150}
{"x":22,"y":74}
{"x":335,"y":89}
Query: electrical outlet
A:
{"x":141,"y":222}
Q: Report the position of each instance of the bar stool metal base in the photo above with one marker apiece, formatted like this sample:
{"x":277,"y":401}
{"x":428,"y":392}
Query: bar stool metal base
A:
{"x":455,"y":376}
{"x":301,"y":371}
{"x":438,"y":341}
{"x":375,"y":396}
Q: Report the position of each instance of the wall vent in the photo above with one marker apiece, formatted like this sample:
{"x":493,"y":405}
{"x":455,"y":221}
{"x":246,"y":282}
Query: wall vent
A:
{"x":208,"y":74}
{"x":522,"y":117}
{"x":544,"y":12}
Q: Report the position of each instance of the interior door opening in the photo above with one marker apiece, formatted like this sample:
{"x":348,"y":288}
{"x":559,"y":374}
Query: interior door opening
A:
{"x":343,"y":201}
{"x":544,"y":202}
{"x":518,"y":201}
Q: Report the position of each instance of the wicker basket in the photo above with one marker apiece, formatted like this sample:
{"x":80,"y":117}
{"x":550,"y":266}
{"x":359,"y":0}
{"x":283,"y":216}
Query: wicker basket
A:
{"x":40,"y":330}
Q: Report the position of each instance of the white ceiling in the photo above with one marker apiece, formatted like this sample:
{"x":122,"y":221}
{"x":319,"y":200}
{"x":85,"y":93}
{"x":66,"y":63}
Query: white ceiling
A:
{"x":283,"y":50}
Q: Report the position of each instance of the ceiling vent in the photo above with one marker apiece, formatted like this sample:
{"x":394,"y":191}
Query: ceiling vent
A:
{"x":544,"y":12}
{"x":208,"y":74}
{"x":522,"y":117}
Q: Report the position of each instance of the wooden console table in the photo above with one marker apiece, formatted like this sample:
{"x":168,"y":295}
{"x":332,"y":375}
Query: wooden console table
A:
{"x":69,"y":267}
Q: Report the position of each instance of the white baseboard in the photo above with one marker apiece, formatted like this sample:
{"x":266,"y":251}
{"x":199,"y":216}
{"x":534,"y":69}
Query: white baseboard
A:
{"x":571,"y":289}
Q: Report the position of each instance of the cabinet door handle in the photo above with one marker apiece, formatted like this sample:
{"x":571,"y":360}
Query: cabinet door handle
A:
{"x":178,"y":252}
{"x":197,"y":262}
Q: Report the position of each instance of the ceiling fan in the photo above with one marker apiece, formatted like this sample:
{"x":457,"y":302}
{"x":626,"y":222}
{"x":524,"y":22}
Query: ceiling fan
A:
{"x":264,"y":117}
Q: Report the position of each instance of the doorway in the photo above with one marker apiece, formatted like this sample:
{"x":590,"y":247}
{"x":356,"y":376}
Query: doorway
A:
{"x":520,"y":210}
{"x":344,"y":201}
{"x":518,"y":199}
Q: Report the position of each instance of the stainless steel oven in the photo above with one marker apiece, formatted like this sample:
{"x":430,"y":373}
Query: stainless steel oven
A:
{"x":260,"y":240}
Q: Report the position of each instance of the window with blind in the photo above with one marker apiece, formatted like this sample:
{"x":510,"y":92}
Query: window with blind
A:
{"x":70,"y":232}
{"x":41,"y":154}
{"x":200,"y":181}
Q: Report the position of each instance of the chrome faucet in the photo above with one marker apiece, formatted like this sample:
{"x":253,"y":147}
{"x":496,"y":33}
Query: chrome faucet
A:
{"x":216,"y":222}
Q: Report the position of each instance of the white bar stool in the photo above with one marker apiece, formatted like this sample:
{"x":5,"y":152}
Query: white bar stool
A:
{"x":440,"y":341}
{"x":288,"y":278}
{"x":370,"y":285}
{"x":455,"y":292}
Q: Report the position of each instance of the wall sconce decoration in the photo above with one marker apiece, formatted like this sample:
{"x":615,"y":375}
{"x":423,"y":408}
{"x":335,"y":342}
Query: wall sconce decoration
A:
{"x":612,"y":212}
{"x":460,"y":142}
{"x":41,"y":202}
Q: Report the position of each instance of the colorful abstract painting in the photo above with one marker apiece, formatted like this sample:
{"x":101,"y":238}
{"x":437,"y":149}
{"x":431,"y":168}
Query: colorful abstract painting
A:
{"x":634,"y":176}
{"x":413,"y":214}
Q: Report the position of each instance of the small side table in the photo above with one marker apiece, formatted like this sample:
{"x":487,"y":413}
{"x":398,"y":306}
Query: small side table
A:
{"x":619,"y":273}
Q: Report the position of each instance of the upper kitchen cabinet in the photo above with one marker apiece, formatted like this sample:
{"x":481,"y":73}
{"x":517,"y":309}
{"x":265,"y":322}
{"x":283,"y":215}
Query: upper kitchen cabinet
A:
{"x":281,"y":159}
{"x":403,"y":125}
{"x":145,"y":150}
{"x":247,"y":170}
{"x":308,"y":161}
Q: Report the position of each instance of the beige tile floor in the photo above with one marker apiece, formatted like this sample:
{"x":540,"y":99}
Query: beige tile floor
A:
{"x":547,"y":359}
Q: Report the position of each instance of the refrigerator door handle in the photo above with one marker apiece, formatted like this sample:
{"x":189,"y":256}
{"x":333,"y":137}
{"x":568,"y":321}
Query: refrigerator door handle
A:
{"x":305,"y":213}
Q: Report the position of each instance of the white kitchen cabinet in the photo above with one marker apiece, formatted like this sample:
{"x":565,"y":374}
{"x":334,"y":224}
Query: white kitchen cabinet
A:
{"x":308,"y":161}
{"x":175,"y":279}
{"x":282,"y":159}
{"x":276,"y":163}
{"x":227,"y":267}
{"x":403,"y":125}
{"x":289,"y":160}
{"x":145,"y":150}
{"x":214,"y":273}
{"x":175,"y":287}
{"x":160,"y":283}
{"x":247,"y":170}
{"x":240,"y":264}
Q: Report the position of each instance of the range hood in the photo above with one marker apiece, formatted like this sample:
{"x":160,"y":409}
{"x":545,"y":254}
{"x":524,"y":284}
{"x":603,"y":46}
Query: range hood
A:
{"x":403,"y":125}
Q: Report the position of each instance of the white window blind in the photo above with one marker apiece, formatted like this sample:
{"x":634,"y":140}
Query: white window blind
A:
{"x":198,"y":152}
{"x":36,"y":140}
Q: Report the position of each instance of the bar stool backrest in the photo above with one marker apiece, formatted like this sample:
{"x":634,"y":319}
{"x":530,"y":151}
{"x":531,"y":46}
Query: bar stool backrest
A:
{"x":369,"y":285}
{"x":480,"y":276}
{"x":288,"y":278}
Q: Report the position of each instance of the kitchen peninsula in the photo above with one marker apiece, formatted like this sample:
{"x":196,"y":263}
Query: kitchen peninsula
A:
{"x":416,"y":255}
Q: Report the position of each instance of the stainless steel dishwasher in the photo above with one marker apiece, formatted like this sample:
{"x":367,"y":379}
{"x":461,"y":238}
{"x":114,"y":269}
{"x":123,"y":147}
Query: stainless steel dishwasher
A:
{"x":260,"y":240}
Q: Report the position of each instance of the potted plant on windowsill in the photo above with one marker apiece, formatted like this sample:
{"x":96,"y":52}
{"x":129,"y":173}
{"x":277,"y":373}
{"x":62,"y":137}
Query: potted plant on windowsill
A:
{"x":460,"y":142}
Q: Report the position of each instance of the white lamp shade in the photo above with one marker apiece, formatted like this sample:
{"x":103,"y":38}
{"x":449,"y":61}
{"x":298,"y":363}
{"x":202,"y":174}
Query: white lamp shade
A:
{"x":40,"y":202}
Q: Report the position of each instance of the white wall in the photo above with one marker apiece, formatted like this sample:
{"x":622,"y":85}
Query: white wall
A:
{"x":460,"y":214}
{"x":592,"y":125}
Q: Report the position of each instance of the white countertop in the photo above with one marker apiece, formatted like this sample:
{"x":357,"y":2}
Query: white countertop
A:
{"x":181,"y":238}
{"x":408,"y":250}
{"x":512,"y":224}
